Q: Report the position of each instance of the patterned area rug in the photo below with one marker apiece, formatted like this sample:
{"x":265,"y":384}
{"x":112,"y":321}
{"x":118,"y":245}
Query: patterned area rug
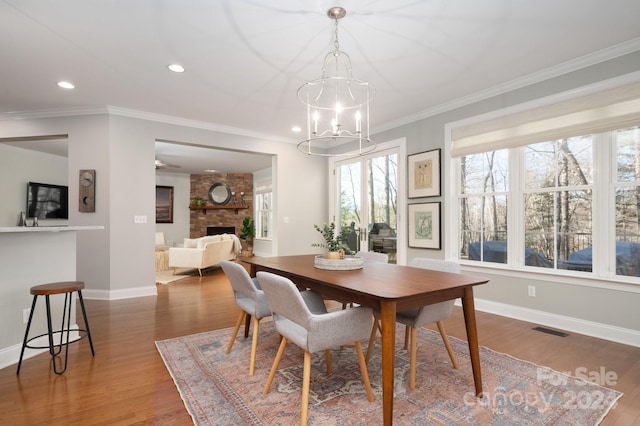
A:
{"x":217,"y":389}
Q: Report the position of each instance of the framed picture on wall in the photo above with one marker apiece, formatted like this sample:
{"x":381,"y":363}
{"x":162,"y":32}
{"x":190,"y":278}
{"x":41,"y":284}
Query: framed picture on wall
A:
{"x":423,"y":174}
{"x":424,"y":225}
{"x":164,"y":204}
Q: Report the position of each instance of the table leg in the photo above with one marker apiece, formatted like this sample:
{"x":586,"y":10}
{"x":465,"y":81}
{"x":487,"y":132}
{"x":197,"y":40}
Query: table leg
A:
{"x":468,"y":308}
{"x":388,"y":319}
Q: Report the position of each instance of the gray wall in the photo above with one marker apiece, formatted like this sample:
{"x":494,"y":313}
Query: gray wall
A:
{"x":119,"y":261}
{"x":19,"y":166}
{"x":608,"y":307}
{"x":177,"y":231}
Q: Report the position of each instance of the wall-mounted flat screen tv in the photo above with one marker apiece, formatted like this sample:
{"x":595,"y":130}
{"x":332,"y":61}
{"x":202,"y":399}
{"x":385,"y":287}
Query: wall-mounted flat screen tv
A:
{"x":46,"y":201}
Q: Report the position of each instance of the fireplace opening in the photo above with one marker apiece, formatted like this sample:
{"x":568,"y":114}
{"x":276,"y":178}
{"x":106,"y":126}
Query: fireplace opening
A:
{"x":218,"y":230}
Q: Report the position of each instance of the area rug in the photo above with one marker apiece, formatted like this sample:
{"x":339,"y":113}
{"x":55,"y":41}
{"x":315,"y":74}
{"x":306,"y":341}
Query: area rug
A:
{"x":217,"y":389}
{"x":166,"y":277}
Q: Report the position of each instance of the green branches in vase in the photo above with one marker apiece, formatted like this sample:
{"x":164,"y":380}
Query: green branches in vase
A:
{"x":333,"y":242}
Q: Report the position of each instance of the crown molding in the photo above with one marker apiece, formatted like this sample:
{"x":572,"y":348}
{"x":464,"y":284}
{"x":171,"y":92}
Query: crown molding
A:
{"x":546,"y":74}
{"x":53,"y":113}
{"x":150,"y":116}
{"x":556,"y":71}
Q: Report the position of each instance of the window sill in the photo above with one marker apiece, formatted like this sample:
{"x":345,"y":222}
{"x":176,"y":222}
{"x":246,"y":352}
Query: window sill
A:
{"x":606,"y":283}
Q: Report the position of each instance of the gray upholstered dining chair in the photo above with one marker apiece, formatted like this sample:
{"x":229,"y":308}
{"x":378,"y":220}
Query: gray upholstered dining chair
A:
{"x":373,"y":256}
{"x":302,"y":318}
{"x":368,"y":257}
{"x":416,"y":318}
{"x":250,"y":299}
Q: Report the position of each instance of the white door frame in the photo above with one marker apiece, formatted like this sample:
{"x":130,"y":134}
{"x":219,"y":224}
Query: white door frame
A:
{"x":400,"y":145}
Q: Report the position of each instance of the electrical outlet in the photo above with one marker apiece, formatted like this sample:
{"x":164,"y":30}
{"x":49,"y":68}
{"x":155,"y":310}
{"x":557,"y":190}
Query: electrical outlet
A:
{"x":25,"y":315}
{"x":139,"y":219}
{"x":532,"y":291}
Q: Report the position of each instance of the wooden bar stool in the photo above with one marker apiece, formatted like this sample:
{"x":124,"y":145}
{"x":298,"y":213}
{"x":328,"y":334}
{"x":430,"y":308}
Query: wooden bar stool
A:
{"x":67,"y":288}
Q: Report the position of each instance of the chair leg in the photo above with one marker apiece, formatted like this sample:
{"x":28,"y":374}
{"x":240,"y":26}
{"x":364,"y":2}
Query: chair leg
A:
{"x":200,"y":271}
{"x":274,"y":367}
{"x":254,"y":345}
{"x":235,"y":331}
{"x":447,"y":345}
{"x":363,"y":370}
{"x":412,"y":331}
{"x":306,"y":378}
{"x":372,"y":337}
{"x":327,"y":359}
{"x":406,"y":337}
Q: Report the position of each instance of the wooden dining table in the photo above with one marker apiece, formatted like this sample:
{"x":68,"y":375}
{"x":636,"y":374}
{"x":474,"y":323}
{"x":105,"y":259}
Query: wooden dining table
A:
{"x":387,"y":288}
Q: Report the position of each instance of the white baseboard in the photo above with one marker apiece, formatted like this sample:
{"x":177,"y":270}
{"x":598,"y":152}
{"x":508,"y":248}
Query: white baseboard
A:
{"x":612,"y":333}
{"x":125,"y":293}
{"x":11,"y":354}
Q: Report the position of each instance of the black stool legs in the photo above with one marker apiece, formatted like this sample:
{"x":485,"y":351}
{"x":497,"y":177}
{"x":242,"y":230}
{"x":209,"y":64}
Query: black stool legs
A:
{"x":56,"y":349}
{"x":26,"y":333}
{"x":86,"y":322}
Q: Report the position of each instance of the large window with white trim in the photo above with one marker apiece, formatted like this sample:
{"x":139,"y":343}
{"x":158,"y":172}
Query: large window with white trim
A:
{"x":264,"y":209}
{"x":571,"y":204}
{"x":553,"y":187}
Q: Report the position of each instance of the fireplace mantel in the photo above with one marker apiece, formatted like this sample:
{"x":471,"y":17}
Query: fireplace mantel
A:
{"x":205,"y":208}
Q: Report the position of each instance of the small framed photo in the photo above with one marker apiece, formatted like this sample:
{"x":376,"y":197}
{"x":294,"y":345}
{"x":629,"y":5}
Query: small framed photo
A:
{"x":164,"y":204}
{"x":424,"y":225}
{"x":424,"y":174}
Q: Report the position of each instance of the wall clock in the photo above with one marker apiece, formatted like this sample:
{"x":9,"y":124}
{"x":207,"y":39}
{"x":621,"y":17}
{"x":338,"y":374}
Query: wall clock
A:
{"x":87,"y":192}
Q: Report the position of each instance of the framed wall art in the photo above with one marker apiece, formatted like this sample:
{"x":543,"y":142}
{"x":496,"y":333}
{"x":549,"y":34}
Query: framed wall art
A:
{"x":423,"y":176}
{"x":424,"y":225}
{"x":164,"y":204}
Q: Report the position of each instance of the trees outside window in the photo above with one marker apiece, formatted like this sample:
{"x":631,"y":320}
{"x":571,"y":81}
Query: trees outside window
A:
{"x":368,"y":201}
{"x":554,"y":204}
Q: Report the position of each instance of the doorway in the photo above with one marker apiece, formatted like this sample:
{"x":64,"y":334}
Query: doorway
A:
{"x":367,"y":195}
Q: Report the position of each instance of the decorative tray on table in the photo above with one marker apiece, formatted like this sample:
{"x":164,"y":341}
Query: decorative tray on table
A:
{"x":348,"y":263}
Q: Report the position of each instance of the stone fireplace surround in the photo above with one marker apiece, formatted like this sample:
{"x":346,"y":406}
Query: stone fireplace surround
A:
{"x":200,"y":220}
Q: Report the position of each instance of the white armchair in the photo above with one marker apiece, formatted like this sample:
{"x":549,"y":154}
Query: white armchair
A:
{"x":202,"y":253}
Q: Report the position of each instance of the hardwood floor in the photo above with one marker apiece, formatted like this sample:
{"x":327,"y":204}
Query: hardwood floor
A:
{"x":126,"y":383}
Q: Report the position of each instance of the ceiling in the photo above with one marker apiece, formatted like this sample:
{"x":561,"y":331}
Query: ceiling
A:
{"x":245,"y":59}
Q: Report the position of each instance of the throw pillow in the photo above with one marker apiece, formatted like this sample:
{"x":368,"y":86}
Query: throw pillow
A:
{"x":190,"y":242}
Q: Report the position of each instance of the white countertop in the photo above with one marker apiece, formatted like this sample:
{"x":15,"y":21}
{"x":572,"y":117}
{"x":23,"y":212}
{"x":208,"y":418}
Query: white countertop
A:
{"x":17,"y":229}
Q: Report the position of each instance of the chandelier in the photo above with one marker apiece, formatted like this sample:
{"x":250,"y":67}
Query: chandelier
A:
{"x":337,"y":104}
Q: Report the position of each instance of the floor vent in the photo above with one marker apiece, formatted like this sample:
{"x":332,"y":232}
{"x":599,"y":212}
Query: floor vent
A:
{"x":550,"y":331}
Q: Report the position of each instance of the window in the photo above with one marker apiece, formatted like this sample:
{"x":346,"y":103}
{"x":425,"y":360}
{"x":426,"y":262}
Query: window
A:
{"x":554,"y":205}
{"x":483,"y":206}
{"x":263,"y":208}
{"x":558,"y":202}
{"x":627,"y":202}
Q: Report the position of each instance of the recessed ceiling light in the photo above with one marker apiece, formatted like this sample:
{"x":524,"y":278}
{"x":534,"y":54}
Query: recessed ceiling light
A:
{"x":176,"y":68}
{"x":211,"y":171}
{"x":296,"y":129}
{"x":66,"y":85}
